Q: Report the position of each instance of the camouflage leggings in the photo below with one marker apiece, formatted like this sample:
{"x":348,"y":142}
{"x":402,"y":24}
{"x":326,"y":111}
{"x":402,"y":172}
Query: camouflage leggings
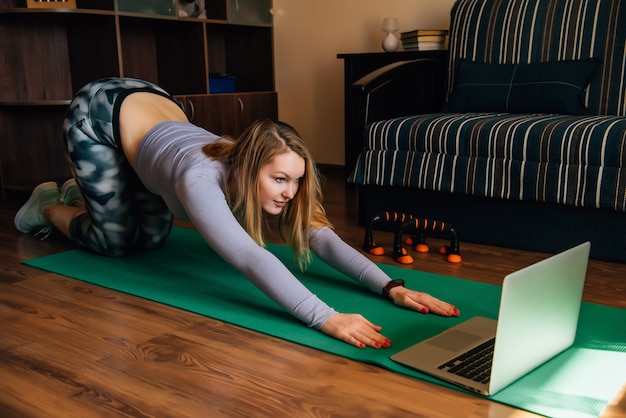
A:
{"x":122,"y":215}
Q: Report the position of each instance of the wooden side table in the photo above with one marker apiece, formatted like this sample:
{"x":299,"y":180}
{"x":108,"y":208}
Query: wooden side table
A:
{"x":355,"y":67}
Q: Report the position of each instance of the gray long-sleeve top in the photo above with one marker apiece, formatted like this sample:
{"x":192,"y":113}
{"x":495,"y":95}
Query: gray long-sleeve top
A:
{"x":170,"y":162}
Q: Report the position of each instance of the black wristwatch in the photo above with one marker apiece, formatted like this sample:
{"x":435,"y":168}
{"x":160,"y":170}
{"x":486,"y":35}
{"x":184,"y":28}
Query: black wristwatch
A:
{"x":391,"y":285}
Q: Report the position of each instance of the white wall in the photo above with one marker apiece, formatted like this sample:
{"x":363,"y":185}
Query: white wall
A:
{"x":308,"y":35}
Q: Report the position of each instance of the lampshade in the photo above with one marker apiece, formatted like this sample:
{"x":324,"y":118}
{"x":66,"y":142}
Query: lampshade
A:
{"x":390,"y":24}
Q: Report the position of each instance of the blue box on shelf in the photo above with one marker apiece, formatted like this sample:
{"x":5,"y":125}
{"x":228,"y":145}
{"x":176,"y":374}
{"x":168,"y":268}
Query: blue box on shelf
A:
{"x":221,"y":83}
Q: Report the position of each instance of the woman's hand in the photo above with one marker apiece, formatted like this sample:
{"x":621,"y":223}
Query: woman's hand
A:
{"x":359,"y":332}
{"x":355,"y":330}
{"x":421,"y":302}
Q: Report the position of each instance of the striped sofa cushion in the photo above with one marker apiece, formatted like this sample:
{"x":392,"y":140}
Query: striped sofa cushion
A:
{"x":574,"y":160}
{"x":525,"y":31}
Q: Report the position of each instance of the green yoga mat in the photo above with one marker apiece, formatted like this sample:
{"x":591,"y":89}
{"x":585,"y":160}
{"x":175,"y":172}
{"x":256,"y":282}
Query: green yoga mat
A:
{"x":187,"y":274}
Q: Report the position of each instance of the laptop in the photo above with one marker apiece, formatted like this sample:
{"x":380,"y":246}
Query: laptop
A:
{"x":537,"y":320}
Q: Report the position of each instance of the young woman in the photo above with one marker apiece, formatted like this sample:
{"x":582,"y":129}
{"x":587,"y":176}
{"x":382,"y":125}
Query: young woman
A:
{"x":137,"y":160}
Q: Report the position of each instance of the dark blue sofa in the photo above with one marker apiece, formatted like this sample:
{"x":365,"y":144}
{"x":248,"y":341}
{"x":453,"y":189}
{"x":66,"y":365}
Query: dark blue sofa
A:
{"x":517,"y":139}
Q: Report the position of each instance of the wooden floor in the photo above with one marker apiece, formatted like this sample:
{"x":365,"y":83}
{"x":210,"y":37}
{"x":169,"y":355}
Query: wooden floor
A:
{"x":71,"y":349}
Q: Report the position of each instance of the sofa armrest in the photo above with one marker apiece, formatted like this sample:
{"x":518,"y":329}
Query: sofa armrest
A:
{"x":400,"y":89}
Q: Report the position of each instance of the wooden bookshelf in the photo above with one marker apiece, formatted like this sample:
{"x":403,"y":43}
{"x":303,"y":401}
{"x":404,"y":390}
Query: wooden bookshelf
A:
{"x":50,"y":52}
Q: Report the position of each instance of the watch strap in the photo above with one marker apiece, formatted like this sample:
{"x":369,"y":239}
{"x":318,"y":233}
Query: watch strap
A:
{"x":391,"y":285}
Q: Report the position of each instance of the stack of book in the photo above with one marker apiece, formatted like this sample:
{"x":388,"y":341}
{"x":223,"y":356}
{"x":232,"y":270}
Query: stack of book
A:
{"x":424,"y":39}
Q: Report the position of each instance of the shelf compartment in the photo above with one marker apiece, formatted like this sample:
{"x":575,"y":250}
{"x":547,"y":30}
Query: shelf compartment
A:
{"x":32,"y":152}
{"x":169,"y":53}
{"x":250,"y":12}
{"x":244,"y":52}
{"x":148,"y":7}
{"x":65,"y":51}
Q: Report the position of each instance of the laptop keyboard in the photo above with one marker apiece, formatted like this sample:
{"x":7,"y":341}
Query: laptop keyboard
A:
{"x":474,"y":364}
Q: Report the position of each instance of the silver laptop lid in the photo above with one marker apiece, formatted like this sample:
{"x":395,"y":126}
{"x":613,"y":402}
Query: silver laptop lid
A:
{"x":538,"y":314}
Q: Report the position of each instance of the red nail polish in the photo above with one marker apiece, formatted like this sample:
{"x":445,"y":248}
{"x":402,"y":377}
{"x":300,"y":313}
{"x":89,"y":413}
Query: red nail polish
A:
{"x":424,"y":310}
{"x":361,"y":345}
{"x":387,"y":343}
{"x":377,"y":345}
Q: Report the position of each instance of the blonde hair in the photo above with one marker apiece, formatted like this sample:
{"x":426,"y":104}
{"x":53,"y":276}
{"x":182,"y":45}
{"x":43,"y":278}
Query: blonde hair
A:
{"x":260,"y":143}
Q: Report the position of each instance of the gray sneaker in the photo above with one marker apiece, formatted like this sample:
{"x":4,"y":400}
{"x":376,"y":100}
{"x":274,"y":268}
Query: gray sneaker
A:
{"x":30,"y":216}
{"x":70,"y":193}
